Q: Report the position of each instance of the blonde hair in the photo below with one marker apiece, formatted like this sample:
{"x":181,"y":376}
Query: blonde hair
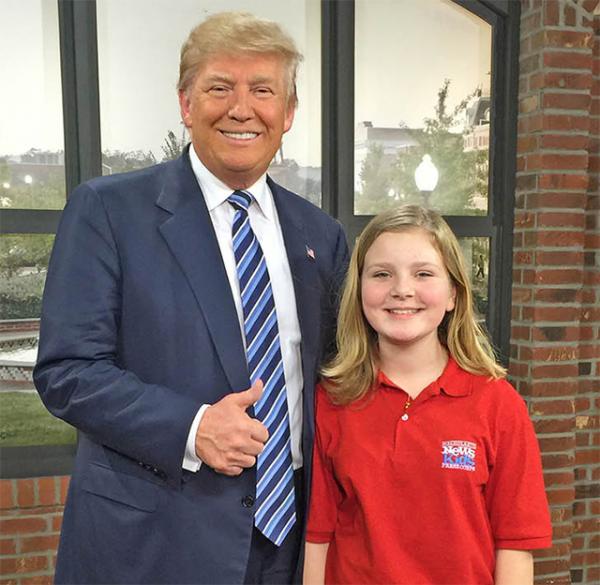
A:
{"x":351,"y":373}
{"x":231,"y":33}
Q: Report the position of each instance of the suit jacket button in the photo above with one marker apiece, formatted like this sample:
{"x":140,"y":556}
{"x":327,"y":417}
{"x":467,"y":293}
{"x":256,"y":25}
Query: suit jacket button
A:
{"x":248,"y":501}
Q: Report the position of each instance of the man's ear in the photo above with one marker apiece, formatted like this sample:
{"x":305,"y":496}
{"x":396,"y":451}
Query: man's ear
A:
{"x":289,"y":115}
{"x":185,"y":107}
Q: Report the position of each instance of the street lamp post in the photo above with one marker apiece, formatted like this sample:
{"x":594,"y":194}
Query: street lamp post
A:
{"x":426,"y":178}
{"x":29,"y":181}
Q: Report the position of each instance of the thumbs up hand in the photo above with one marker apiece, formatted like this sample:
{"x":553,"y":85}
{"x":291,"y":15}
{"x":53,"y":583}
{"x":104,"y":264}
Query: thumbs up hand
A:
{"x":228,"y":440}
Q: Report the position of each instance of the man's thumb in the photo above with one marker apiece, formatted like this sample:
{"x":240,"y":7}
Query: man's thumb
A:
{"x":249,"y":397}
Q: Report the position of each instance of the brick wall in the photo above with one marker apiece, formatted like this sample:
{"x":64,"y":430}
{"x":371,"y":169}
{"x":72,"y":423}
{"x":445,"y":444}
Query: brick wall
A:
{"x":30,"y":518}
{"x":556,"y":317}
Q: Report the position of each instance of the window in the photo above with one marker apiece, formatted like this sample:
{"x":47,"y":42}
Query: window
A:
{"x":139,"y":110}
{"x":32,"y":190}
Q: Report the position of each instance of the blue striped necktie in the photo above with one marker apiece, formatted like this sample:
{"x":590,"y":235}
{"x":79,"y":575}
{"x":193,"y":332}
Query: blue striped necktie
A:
{"x":275,"y":509}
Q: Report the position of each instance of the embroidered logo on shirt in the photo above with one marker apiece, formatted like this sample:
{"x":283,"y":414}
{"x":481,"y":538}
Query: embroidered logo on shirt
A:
{"x":458,"y":455}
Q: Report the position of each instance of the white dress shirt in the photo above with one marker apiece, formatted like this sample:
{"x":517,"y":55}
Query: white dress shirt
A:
{"x":265,"y":224}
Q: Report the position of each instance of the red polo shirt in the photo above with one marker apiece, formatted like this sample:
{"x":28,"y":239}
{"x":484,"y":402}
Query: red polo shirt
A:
{"x":428,"y":497}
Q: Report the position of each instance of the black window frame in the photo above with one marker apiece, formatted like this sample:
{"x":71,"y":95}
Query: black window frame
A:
{"x":83,"y":159}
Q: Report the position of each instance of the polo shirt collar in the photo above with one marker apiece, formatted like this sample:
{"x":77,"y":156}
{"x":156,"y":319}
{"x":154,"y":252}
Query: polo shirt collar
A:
{"x":216,"y":192}
{"x":453,"y":381}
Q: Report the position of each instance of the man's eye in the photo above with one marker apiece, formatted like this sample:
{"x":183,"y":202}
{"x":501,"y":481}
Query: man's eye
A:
{"x":218,"y":89}
{"x":263,"y":91}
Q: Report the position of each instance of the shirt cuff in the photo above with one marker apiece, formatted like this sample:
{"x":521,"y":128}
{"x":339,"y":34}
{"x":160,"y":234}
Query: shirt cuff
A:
{"x":191,"y":461}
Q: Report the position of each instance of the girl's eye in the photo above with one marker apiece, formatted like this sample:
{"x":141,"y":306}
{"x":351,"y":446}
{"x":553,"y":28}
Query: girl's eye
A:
{"x":380,"y":274}
{"x":424,"y":274}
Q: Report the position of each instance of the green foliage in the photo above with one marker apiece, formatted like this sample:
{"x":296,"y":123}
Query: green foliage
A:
{"x":462,"y":175}
{"x":25,"y":421}
{"x":117,"y":161}
{"x":173,"y":148}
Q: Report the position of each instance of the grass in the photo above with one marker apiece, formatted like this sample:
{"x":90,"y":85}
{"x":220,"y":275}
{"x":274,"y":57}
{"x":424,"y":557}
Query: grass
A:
{"x":24,"y":421}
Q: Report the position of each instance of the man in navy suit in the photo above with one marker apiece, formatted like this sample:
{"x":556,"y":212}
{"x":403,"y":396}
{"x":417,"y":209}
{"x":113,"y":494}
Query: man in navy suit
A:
{"x":142,"y":342}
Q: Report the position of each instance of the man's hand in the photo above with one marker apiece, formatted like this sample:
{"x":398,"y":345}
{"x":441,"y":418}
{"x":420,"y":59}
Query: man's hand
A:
{"x":228,"y":440}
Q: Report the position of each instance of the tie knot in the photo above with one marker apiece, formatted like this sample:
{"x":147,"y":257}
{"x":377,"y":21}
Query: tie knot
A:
{"x":240,"y":200}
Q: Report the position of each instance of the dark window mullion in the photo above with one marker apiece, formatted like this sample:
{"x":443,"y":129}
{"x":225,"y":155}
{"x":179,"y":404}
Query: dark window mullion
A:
{"x":81,"y":101}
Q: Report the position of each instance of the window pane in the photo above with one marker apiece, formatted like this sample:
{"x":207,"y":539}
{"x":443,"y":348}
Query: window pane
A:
{"x":139,"y":109}
{"x":422,"y":88}
{"x":32,"y":169}
{"x":476,"y":252}
{"x":24,"y":419}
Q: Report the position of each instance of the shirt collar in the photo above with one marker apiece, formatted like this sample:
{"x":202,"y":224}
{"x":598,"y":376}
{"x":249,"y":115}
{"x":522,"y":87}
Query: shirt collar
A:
{"x":453,"y":382}
{"x":216,"y":192}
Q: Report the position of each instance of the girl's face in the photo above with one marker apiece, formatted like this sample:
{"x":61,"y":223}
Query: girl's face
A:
{"x":406,"y":289}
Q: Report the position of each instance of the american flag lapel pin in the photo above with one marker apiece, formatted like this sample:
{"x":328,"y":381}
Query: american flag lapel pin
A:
{"x":310,"y":253}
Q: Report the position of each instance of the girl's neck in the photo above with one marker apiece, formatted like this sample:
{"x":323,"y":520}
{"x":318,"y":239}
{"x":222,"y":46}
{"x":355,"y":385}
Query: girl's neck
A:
{"x":411,"y":368}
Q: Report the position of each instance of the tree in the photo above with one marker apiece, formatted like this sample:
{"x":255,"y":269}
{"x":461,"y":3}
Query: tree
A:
{"x":462,"y":175}
{"x":173,"y":147}
{"x":375,"y":181}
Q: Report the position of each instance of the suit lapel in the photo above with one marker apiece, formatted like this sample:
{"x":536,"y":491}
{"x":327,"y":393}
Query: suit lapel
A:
{"x":304,"y":274}
{"x":189,"y":233}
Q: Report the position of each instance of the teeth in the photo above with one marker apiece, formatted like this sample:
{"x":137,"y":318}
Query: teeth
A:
{"x":403,"y":311}
{"x":241,"y":135}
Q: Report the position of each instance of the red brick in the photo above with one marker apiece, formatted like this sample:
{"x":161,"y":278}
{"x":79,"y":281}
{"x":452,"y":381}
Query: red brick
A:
{"x":56,"y":523}
{"x":565,"y":122}
{"x":564,"y":141}
{"x":556,"y":295}
{"x":562,"y":200}
{"x":559,"y":239}
{"x":567,"y":101}
{"x":558,"y":257}
{"x":64,"y":487}
{"x":20,"y":565}
{"x":558,"y":478}
{"x":546,"y":407}
{"x":554,"y":388}
{"x":585,"y":422}
{"x":565,"y":39}
{"x":8,"y":546}
{"x":554,"y":371}
{"x":37,"y":580}
{"x":556,"y":314}
{"x":557,"y":460}
{"x":562,"y":80}
{"x":564,"y":162}
{"x":553,"y":444}
{"x":25,"y":493}
{"x":589,"y":456}
{"x":6,"y":494}
{"x":551,"y":567}
{"x":553,"y":425}
{"x":563,"y":181}
{"x":567,"y":60}
{"x":564,"y":276}
{"x":22,"y":525}
{"x":561,"y":353}
{"x":520,"y":332}
{"x":39,"y":543}
{"x":47,"y":491}
{"x":556,"y":333}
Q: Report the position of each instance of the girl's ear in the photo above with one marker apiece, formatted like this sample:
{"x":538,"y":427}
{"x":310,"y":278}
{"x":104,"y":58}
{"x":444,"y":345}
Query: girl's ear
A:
{"x":452,"y":300}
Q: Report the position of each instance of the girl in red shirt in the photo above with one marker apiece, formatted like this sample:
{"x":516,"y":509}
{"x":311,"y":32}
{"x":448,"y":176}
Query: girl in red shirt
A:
{"x":426,"y":468}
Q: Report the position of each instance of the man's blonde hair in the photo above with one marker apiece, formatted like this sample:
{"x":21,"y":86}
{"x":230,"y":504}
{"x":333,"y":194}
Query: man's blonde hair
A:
{"x":351,"y":373}
{"x":231,"y":33}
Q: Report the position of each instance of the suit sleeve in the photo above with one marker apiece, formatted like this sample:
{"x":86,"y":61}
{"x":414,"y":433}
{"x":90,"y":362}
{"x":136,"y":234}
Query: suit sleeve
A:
{"x":78,"y":374}
{"x":515,"y":496}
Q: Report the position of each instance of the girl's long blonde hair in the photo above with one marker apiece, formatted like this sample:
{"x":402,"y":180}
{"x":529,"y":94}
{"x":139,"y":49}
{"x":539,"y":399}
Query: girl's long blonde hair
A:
{"x":351,"y":372}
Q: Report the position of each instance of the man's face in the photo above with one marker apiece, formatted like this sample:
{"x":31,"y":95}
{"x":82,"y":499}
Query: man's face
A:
{"x":237,"y":111}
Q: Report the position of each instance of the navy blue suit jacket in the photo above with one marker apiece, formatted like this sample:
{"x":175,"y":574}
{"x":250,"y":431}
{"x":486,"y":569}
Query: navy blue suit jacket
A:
{"x":139,"y":328}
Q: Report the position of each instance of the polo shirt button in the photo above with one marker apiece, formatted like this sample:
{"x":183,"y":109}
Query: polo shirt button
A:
{"x":404,"y":417}
{"x":248,"y":501}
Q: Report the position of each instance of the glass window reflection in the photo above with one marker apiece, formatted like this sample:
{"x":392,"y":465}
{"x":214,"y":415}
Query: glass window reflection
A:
{"x":32,"y":167}
{"x":140,"y":121}
{"x":422,"y":86}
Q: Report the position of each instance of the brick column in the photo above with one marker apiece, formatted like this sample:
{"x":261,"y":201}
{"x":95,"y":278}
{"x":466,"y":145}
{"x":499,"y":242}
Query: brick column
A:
{"x":30,"y":518}
{"x":555,"y":321}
